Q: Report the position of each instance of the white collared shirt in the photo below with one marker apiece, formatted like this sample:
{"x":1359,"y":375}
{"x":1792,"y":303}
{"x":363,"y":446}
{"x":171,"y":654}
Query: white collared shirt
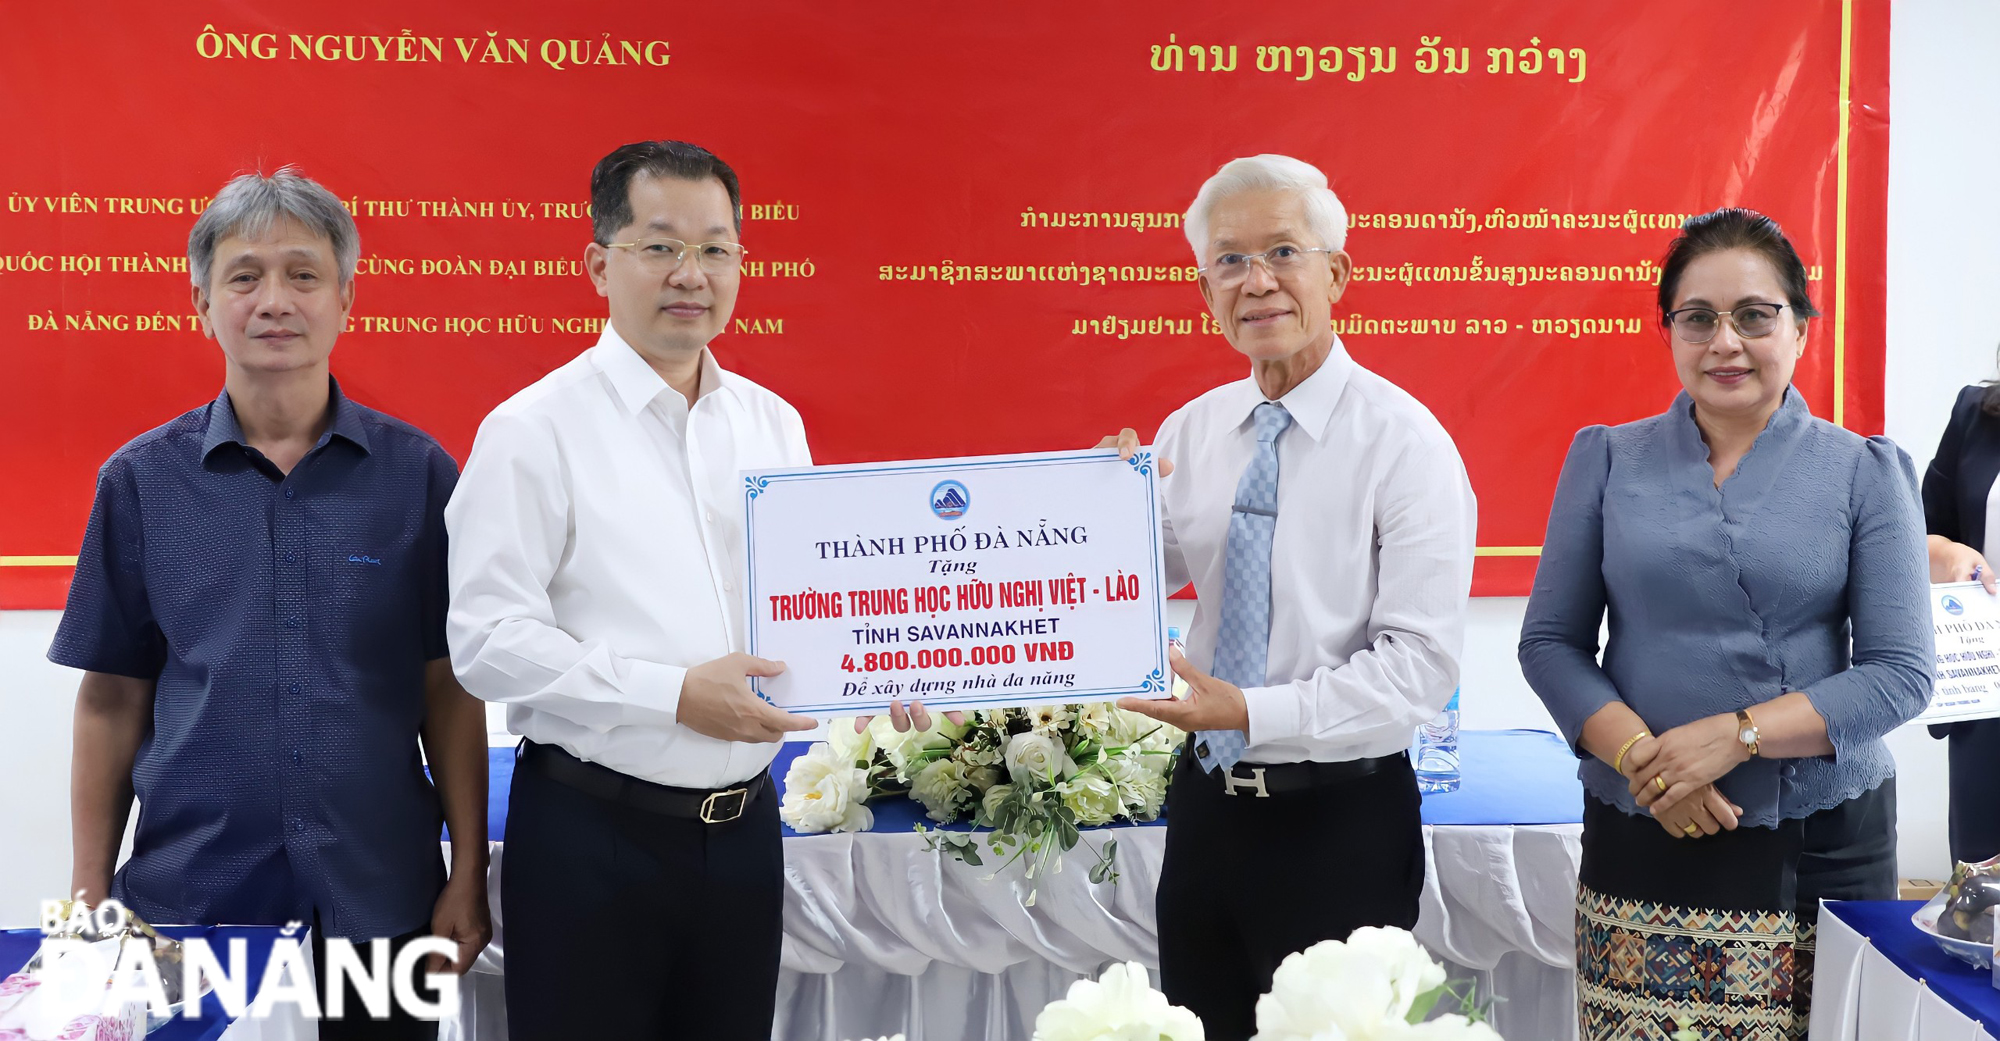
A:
{"x":1370,"y":567}
{"x":597,"y":553}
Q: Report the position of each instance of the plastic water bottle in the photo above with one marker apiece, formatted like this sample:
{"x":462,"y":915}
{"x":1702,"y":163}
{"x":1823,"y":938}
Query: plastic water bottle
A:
{"x":1437,"y":751}
{"x":1176,"y":686}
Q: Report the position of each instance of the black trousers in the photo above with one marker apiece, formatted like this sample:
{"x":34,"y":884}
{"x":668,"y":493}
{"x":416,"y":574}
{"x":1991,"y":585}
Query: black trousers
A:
{"x":1975,"y":789}
{"x":1247,"y":881}
{"x":630,"y":924}
{"x":355,"y":1023}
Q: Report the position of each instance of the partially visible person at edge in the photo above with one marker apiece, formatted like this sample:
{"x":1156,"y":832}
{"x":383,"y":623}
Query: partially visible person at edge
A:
{"x":1961,"y":494}
{"x":259,"y":610}
{"x":1732,"y":748}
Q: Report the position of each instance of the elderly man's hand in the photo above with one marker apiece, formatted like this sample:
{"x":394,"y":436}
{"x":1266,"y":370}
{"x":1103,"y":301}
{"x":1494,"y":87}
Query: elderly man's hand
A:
{"x":1211,"y":704}
{"x":1126,"y":441}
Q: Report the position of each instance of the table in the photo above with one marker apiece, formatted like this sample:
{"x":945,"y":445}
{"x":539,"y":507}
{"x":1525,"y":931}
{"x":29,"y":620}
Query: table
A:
{"x":1879,"y":978}
{"x":882,"y":937}
{"x":284,"y":1024}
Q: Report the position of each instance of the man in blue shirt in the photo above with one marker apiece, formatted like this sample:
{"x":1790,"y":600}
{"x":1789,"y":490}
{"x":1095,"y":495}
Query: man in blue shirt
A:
{"x":259,"y":611}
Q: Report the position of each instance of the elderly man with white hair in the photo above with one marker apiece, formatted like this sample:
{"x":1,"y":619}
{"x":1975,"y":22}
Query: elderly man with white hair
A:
{"x":1325,"y":519}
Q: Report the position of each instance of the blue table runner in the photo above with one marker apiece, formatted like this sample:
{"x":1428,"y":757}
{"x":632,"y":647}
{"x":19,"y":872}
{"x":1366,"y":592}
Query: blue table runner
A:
{"x":1510,"y":777}
{"x":1887,"y":925}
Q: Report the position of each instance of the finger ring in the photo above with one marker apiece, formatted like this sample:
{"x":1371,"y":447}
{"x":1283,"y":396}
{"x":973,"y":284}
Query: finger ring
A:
{"x":1690,"y":830}
{"x":1662,"y":783}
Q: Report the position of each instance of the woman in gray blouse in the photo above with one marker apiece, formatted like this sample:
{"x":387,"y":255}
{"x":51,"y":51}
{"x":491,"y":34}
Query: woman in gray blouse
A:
{"x":1731,"y":740}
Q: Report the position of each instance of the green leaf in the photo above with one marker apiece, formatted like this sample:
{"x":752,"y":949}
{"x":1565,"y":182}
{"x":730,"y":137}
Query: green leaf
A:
{"x":970,"y":855}
{"x":1420,"y":1009}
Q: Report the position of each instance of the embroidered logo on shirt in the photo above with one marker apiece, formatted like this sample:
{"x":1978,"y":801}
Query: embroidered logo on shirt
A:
{"x":361,"y":559}
{"x":950,"y":500}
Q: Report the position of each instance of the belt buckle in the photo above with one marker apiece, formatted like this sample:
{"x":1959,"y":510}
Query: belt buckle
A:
{"x":1253,"y":783}
{"x":708,"y":813}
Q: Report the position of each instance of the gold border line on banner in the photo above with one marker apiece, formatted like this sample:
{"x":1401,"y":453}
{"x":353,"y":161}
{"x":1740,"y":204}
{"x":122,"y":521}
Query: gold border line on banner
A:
{"x":1840,"y":218}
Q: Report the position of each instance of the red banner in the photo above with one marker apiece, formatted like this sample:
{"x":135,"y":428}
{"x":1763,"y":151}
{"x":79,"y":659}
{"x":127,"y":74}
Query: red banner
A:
{"x":964,"y":225}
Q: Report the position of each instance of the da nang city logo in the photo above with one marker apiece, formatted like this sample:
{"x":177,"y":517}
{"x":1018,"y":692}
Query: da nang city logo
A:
{"x":950,"y":500}
{"x":1951,"y":605}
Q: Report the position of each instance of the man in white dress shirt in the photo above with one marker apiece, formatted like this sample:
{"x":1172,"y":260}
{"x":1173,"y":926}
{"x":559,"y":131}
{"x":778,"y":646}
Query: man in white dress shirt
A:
{"x":596,"y":549}
{"x":1325,"y":520}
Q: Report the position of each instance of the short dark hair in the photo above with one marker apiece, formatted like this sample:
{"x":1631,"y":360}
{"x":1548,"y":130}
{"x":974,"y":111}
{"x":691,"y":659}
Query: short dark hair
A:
{"x":1734,"y":227}
{"x":611,"y":181}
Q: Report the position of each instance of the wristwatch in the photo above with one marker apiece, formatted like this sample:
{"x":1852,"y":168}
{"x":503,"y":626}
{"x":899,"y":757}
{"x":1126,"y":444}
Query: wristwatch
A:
{"x":1746,"y":731}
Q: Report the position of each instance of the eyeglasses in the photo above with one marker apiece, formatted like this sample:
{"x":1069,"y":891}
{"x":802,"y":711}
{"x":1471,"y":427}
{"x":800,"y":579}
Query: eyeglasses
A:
{"x":665,"y":255}
{"x":1698,"y":324}
{"x":1230,"y":268}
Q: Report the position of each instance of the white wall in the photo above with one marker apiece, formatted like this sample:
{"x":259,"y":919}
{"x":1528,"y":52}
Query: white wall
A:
{"x":1944,"y":266}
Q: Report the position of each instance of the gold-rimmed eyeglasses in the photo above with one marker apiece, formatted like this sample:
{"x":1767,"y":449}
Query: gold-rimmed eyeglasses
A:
{"x":665,"y":255}
{"x":1227,"y":269}
{"x":1698,"y":324}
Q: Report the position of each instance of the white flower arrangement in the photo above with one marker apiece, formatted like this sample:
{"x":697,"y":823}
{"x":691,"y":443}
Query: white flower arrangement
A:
{"x":1379,"y":985}
{"x":1032,"y":776}
{"x":824,"y":792}
{"x":1121,"y":1005}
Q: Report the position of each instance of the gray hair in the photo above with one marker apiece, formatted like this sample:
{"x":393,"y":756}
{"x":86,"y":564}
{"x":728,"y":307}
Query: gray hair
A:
{"x":1326,"y":217}
{"x":251,"y":203}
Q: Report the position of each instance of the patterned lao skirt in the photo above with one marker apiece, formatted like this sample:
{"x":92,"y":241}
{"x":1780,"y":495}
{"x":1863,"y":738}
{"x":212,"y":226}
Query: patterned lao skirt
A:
{"x":1715,"y":934}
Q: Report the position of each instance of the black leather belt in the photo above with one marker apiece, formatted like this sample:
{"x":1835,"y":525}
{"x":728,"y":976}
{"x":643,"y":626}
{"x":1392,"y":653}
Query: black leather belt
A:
{"x":1265,"y":780}
{"x":709,"y":806}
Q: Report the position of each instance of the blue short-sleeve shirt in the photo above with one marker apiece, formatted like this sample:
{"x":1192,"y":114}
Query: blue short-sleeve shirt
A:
{"x":287,"y":620}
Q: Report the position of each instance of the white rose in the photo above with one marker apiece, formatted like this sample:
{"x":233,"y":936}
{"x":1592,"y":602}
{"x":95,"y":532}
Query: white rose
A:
{"x":1142,"y":788}
{"x":943,"y":789}
{"x":989,"y":804}
{"x":1092,"y":797}
{"x":857,"y":749}
{"x":1119,"y":1006}
{"x":1412,"y":972}
{"x":1328,"y":989}
{"x":904,"y":748}
{"x":824,"y":792}
{"x":1031,"y":757}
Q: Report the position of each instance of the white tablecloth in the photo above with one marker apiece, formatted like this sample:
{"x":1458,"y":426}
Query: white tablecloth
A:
{"x":1859,"y":995}
{"x":882,"y":937}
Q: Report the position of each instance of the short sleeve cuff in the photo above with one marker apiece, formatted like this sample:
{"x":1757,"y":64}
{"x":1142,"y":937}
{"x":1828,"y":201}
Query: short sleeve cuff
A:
{"x":1274,"y":713}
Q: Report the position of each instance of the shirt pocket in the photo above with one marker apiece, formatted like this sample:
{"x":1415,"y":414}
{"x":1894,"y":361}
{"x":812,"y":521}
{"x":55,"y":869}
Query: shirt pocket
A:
{"x":369,"y":586}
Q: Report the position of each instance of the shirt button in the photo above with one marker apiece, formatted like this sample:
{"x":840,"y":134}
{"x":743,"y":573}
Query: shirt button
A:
{"x":298,"y":825}
{"x":295,"y":688}
{"x":297,"y":757}
{"x":292,"y":622}
{"x":288,"y":493}
{"x":291,"y":557}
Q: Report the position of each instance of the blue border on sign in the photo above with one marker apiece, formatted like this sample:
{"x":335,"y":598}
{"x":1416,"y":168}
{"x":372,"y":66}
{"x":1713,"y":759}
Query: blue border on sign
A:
{"x":757,"y":483}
